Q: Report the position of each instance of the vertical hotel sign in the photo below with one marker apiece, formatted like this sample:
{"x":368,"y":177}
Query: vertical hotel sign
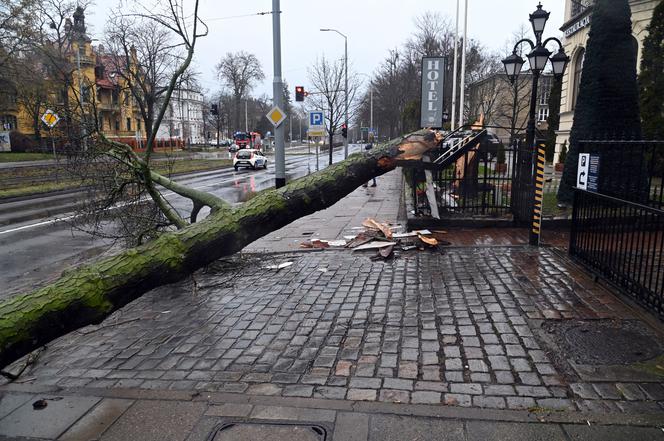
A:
{"x":433,"y":75}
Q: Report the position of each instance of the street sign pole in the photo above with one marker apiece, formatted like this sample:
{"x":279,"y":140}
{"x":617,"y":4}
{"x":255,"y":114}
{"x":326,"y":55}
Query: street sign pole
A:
{"x":345,"y":96}
{"x":278,"y":92}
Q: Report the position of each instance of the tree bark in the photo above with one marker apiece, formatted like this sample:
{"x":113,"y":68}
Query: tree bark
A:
{"x":90,"y":293}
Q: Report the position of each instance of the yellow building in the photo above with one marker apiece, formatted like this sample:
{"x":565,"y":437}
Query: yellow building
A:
{"x":95,"y":87}
{"x":578,"y":17}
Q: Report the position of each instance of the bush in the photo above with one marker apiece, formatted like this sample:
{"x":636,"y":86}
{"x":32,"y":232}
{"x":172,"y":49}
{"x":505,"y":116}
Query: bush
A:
{"x":500,"y":157}
{"x":23,"y":143}
{"x":563,"y":153}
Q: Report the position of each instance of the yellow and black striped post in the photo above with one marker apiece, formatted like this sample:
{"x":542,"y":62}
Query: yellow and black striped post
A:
{"x":539,"y":192}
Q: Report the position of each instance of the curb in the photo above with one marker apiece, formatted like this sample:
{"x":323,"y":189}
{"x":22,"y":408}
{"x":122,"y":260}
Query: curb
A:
{"x":417,"y":410}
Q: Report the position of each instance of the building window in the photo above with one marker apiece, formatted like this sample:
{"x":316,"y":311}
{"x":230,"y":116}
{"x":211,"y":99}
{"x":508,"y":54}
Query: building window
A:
{"x":8,"y":122}
{"x":578,"y":70}
{"x":117,"y":125}
{"x":579,"y":6}
{"x":542,"y":114}
{"x":138,"y":124}
{"x":545,"y":88}
{"x":128,"y":124}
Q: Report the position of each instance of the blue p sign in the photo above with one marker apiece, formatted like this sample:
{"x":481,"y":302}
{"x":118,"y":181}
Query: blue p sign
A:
{"x":315,"y":119}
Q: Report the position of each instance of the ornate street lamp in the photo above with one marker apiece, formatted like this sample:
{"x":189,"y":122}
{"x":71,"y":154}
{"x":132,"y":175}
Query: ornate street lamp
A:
{"x":538,"y":57}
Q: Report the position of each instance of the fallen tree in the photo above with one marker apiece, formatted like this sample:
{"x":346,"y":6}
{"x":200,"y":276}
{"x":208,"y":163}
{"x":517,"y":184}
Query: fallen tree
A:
{"x":90,"y":293}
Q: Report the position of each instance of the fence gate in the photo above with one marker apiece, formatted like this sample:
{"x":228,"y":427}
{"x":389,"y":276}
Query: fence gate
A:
{"x":618,"y":233}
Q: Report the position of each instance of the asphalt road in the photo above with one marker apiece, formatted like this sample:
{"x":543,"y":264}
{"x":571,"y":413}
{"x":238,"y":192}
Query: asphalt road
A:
{"x":37,"y":251}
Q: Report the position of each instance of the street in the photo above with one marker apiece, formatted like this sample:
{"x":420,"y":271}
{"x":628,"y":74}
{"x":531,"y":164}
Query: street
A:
{"x":39,"y":250}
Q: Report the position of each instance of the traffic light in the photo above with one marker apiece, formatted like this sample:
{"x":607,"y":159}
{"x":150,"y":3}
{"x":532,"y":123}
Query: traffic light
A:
{"x":299,"y":93}
{"x":344,"y":131}
{"x":214,"y":109}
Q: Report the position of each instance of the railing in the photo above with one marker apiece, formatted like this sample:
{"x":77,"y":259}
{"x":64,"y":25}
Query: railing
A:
{"x":630,"y":170}
{"x":476,"y":183}
{"x":624,"y":242}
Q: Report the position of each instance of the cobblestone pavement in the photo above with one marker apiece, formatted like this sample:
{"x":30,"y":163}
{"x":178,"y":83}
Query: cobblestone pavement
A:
{"x":380,"y":202}
{"x":464,"y":328}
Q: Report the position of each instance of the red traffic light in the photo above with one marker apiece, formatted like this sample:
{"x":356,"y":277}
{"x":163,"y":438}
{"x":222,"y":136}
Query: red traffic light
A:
{"x":299,"y":93}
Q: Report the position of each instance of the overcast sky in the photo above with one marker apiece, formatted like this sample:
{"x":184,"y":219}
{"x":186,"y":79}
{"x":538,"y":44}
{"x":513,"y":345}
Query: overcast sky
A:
{"x":372,"y":26}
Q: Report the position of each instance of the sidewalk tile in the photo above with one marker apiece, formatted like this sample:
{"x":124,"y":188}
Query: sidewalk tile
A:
{"x":10,"y":402}
{"x":582,"y":432}
{"x":400,"y":428}
{"x":156,"y":421}
{"x":97,"y":421}
{"x":497,"y":431}
{"x":351,"y":427}
{"x":50,"y":422}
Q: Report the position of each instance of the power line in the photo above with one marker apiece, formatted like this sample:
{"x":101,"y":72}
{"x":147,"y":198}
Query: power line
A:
{"x":240,"y":16}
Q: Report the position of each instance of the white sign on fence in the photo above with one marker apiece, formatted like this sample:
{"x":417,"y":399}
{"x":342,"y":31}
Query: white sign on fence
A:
{"x":582,"y":171}
{"x":5,"y":142}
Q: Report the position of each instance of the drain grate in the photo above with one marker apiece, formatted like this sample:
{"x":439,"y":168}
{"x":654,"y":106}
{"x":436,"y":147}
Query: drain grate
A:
{"x":611,"y":342}
{"x":268,"y":431}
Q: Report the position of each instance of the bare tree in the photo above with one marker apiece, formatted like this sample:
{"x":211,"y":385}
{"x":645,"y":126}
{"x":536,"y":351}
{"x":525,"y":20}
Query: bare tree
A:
{"x":17,"y":29}
{"x":126,"y":188}
{"x":327,"y":81}
{"x":239,"y":71}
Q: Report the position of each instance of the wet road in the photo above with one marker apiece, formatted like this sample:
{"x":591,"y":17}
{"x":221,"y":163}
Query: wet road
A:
{"x":38,"y":251}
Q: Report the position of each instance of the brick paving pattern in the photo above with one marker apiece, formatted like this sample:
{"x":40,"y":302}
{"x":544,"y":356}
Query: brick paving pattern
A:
{"x":461,"y":328}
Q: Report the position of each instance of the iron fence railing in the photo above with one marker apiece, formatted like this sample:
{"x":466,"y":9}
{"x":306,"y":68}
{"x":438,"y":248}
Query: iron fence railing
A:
{"x":477,"y":183}
{"x":630,"y":170}
{"x":624,"y":242}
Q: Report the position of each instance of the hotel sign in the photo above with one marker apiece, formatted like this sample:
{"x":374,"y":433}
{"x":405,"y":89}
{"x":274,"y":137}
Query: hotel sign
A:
{"x":433,"y":75}
{"x":576,"y":27}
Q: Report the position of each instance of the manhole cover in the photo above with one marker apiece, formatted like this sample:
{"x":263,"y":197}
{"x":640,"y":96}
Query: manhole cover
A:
{"x":610,"y":342}
{"x":252,"y":431}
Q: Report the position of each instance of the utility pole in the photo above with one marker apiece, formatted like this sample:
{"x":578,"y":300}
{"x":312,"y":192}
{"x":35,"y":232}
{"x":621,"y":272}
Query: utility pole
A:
{"x":346,"y":96}
{"x":371,"y":107}
{"x":246,"y":116}
{"x":278,"y":98}
{"x":456,"y":63}
{"x":80,"y":94}
{"x":463,"y":63}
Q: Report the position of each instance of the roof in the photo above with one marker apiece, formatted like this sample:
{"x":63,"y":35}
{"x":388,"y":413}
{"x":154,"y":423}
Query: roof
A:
{"x":110,"y":64}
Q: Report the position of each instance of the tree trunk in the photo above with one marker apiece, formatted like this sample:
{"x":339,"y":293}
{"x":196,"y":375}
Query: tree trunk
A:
{"x":88,"y":294}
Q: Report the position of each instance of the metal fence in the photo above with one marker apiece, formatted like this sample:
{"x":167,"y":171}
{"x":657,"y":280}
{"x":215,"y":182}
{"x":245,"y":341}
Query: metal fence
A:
{"x":630,"y":170}
{"x":624,"y":242}
{"x":478,"y":183}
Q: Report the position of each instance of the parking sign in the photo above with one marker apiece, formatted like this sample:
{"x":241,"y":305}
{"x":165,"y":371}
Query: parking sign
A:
{"x":316,"y":120}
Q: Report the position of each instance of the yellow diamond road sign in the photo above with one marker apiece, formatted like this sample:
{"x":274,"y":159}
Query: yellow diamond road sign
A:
{"x":276,"y":116}
{"x":50,"y":118}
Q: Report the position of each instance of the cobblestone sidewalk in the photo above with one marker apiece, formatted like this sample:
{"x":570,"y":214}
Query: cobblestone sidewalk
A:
{"x":461,"y":339}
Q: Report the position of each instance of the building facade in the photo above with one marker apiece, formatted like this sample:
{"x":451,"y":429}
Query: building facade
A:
{"x":86,"y":84}
{"x":578,"y":20}
{"x":506,"y":106}
{"x":184,"y":118}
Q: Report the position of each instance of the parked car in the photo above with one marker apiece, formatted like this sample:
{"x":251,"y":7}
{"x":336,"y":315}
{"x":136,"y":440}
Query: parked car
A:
{"x":490,"y":145}
{"x":249,"y":158}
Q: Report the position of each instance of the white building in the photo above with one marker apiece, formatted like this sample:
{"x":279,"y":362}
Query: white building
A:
{"x":184,"y":118}
{"x":578,"y":16}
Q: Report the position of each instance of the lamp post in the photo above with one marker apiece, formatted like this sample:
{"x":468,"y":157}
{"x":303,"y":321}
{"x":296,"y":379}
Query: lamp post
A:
{"x":538,"y":57}
{"x":371,"y":91}
{"x":346,"y":87}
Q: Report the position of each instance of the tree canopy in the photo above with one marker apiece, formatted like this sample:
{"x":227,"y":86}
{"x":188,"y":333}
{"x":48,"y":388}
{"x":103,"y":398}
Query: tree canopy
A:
{"x":608,"y":102}
{"x":651,"y":77}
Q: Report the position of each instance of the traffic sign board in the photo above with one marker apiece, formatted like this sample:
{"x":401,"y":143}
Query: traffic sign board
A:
{"x":50,"y":118}
{"x":315,"y":132}
{"x":316,"y":120}
{"x":276,"y":116}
